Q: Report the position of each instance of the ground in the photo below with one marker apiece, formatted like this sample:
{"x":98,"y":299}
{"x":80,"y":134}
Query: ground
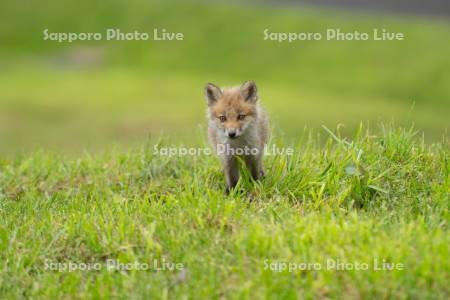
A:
{"x":345,"y":209}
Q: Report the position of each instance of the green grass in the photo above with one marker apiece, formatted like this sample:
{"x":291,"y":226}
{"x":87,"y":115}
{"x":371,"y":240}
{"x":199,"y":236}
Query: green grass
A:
{"x":354,"y":195}
{"x":382,"y":196}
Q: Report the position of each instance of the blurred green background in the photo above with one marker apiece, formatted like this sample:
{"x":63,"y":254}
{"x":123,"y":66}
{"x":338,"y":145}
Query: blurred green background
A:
{"x":93,"y":94}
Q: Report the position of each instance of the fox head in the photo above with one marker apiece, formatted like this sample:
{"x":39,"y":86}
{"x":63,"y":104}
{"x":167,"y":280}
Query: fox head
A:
{"x":232,"y":110}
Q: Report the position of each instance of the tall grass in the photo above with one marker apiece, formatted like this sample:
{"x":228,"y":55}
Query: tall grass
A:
{"x":353,"y":200}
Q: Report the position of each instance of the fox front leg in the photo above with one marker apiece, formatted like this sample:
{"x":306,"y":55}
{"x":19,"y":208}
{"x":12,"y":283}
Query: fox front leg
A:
{"x":231,"y":171}
{"x":254,"y":164}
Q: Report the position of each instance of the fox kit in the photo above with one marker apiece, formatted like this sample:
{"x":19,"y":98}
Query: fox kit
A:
{"x":237,"y":126}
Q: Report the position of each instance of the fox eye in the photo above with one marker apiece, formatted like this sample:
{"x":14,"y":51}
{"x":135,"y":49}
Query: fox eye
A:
{"x":222,"y":118}
{"x":241,"y":117}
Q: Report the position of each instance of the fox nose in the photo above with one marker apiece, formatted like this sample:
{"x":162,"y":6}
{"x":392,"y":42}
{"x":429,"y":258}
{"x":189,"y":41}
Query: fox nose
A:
{"x":232,"y":134}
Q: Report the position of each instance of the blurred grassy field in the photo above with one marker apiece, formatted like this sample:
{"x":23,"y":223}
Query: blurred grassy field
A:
{"x":87,"y":95}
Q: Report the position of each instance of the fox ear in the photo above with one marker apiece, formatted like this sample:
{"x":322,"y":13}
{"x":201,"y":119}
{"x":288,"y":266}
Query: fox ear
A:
{"x":212,"y":93}
{"x":249,"y":91}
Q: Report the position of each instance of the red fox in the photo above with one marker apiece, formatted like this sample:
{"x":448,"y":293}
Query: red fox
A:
{"x":237,"y":126}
